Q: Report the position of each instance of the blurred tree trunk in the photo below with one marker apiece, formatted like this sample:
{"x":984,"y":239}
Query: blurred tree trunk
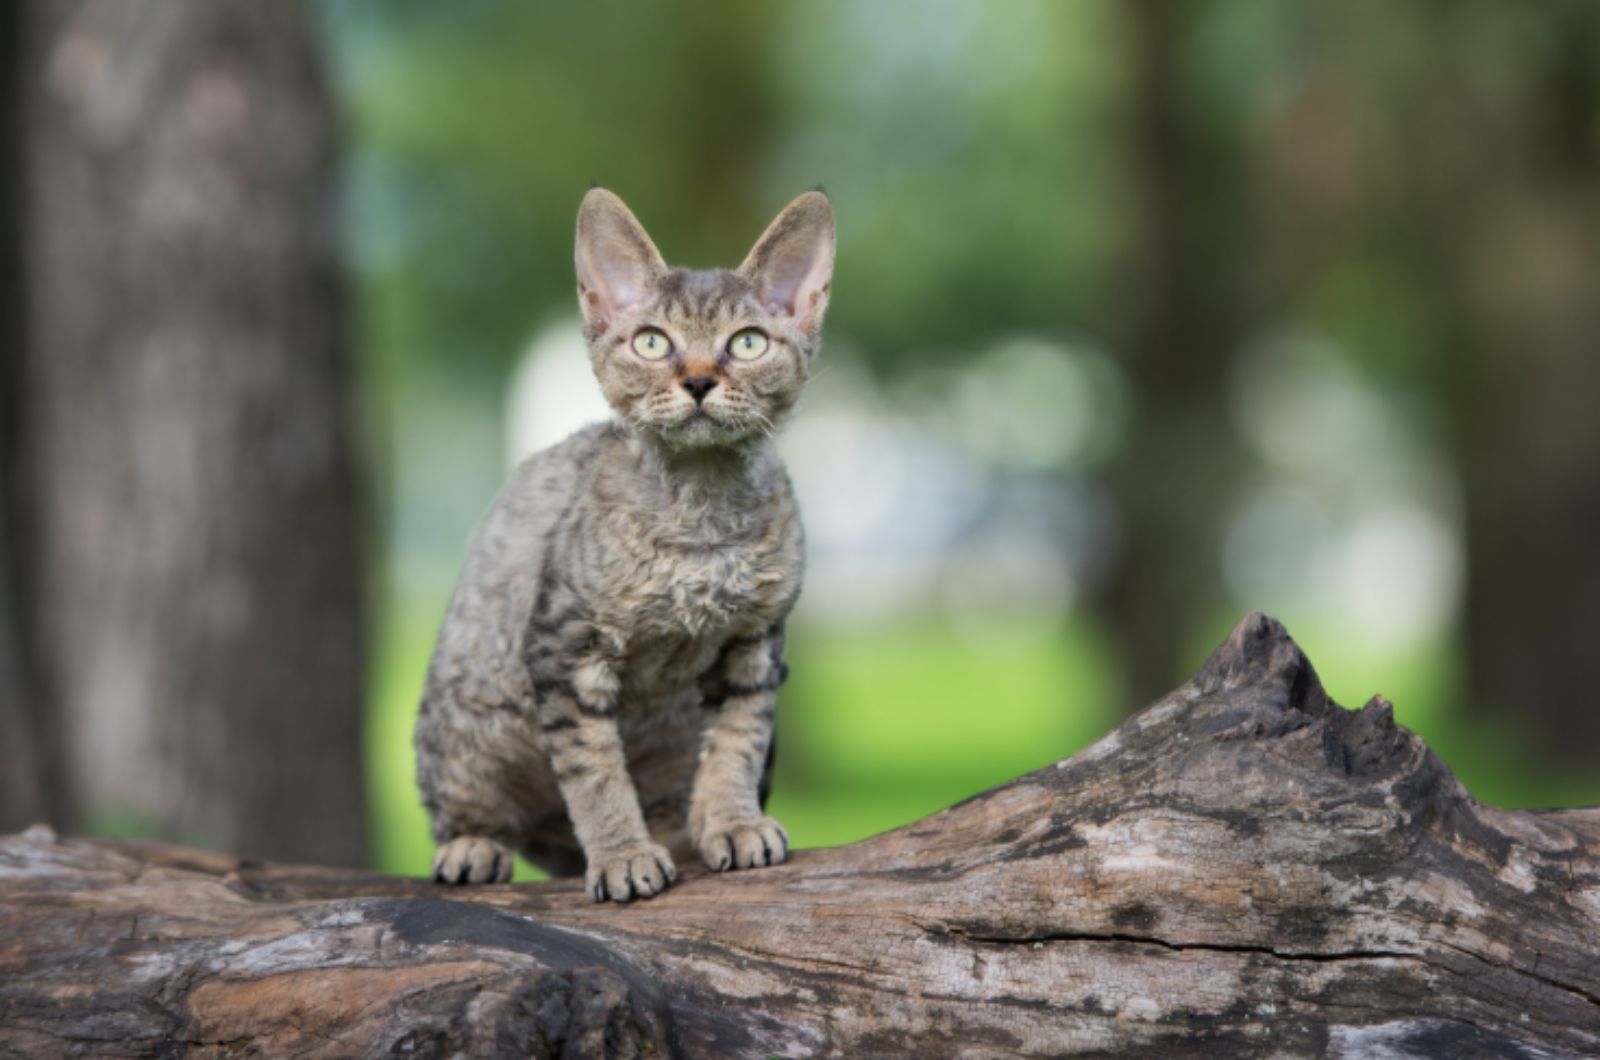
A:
{"x":1527,"y":415}
{"x":25,"y":775}
{"x":1171,"y":483}
{"x":728,"y":42}
{"x":1503,"y":187}
{"x":196,"y":575}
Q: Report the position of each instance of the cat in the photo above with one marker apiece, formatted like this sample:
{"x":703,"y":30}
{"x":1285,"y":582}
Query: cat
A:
{"x":601,"y":694}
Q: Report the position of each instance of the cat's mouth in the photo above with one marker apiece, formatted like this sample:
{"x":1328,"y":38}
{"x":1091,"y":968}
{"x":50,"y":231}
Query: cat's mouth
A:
{"x":701,"y":427}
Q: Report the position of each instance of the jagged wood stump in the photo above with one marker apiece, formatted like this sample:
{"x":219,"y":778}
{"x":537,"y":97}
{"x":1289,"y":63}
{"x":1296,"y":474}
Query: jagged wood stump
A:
{"x":1244,"y":868}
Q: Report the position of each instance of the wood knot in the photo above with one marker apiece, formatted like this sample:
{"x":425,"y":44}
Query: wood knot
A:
{"x":1367,"y":742}
{"x":41,"y":833}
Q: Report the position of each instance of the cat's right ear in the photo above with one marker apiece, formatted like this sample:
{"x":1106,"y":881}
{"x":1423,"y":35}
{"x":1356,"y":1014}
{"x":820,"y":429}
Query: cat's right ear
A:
{"x":615,"y":258}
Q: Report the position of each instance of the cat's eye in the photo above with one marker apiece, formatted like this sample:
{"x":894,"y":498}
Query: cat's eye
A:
{"x":748,"y":344}
{"x":651,"y":344}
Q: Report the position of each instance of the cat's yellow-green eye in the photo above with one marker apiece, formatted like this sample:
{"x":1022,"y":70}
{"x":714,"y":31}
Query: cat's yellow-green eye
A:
{"x":748,"y":344}
{"x":651,"y":344}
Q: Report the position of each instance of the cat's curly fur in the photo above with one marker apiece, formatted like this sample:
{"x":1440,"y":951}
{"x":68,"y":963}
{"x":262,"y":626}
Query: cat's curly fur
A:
{"x":602,"y":691}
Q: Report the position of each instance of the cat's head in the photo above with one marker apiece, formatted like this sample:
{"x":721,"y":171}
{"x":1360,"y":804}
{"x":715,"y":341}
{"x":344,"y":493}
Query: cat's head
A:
{"x":697,"y":358}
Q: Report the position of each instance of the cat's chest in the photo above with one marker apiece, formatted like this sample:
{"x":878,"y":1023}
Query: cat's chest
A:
{"x":671,"y":574}
{"x":704,"y":592}
{"x":692,"y":604}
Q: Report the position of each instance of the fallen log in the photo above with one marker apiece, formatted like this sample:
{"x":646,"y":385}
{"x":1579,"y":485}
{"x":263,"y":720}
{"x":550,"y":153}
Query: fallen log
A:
{"x":1244,"y":868}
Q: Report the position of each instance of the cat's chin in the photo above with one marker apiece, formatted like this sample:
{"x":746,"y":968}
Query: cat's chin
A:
{"x":701,"y":430}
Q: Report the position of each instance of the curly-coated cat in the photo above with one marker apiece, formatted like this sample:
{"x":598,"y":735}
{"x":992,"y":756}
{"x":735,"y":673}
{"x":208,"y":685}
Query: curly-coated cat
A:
{"x":601,"y":696}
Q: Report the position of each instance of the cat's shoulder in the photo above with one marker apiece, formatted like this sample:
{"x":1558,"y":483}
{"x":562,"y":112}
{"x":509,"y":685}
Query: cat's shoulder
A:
{"x":547,"y":479}
{"x":576,"y":453}
{"x":580,"y":447}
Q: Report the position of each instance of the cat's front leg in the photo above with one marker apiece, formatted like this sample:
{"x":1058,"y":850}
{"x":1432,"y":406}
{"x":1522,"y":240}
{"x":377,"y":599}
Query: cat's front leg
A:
{"x":577,"y":720}
{"x":726,"y":824}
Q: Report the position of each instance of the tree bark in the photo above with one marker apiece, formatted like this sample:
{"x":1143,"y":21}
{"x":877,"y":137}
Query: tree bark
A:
{"x":1242,"y":869}
{"x":196,"y":576}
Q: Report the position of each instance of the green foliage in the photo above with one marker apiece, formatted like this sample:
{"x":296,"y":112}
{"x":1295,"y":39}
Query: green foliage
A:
{"x":978,"y":159}
{"x":967,"y":155}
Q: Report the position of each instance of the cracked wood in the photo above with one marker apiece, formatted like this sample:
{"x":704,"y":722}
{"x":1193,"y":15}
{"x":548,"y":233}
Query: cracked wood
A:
{"x":1244,"y":868}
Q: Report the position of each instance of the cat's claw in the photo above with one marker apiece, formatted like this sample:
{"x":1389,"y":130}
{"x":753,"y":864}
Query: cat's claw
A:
{"x":639,"y":870}
{"x":744,"y":845}
{"x":472,"y":859}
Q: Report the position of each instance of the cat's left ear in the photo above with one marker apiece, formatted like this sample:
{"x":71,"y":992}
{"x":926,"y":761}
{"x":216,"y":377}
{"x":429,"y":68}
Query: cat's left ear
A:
{"x":791,"y":264}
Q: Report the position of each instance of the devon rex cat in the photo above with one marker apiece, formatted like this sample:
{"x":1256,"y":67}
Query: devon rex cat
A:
{"x":602,"y":690}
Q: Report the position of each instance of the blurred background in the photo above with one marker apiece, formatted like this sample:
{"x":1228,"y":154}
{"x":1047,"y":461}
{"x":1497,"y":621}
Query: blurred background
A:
{"x":1145,"y":314}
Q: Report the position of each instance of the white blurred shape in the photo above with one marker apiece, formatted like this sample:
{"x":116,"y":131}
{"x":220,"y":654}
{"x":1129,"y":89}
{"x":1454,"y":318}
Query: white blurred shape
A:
{"x":553,"y":392}
{"x":1358,"y":516}
{"x":883,"y":498}
{"x":1396,"y":574}
{"x":1035,"y":404}
{"x":1273,"y":542}
{"x":1011,"y":570}
{"x":1306,"y":411}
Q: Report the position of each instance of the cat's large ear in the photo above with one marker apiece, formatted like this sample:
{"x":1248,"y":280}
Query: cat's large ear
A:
{"x":616,"y":260}
{"x":791,"y":264}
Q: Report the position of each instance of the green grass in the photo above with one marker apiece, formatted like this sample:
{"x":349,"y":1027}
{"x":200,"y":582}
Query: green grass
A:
{"x":880,"y":726}
{"x":400,"y":840}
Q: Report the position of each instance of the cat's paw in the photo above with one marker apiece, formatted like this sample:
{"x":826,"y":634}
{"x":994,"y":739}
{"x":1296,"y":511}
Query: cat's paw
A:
{"x":744,"y":844}
{"x":472,"y":859}
{"x":621,"y":874}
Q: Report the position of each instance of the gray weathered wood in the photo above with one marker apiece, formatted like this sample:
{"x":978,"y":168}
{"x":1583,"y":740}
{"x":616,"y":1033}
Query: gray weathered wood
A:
{"x":1244,"y":868}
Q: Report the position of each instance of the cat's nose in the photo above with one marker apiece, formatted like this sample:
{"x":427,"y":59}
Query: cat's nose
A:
{"x":699,"y":386}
